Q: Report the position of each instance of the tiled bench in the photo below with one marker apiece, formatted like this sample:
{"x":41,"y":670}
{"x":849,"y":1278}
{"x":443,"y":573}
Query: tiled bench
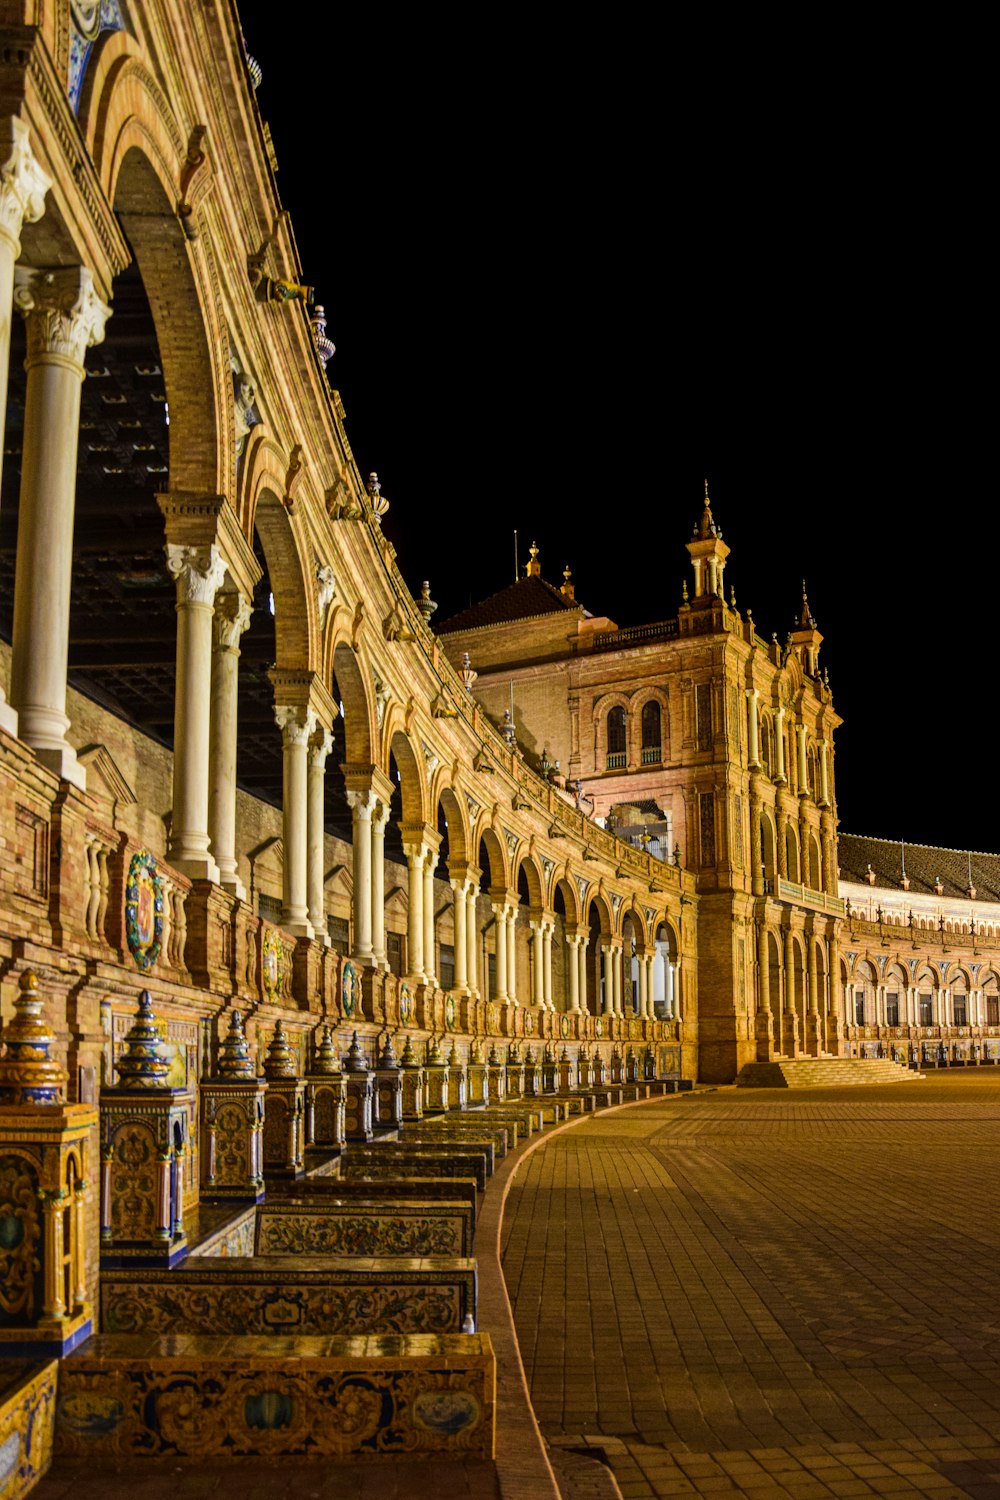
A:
{"x":397,"y":1189}
{"x":185,"y":1398}
{"x":292,"y":1295}
{"x":390,"y":1159}
{"x":27,"y":1423}
{"x":364,"y":1226}
{"x":486,"y":1132}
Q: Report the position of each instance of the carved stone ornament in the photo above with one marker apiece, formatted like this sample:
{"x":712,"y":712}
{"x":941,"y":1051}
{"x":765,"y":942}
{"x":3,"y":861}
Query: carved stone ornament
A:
{"x":23,"y":184}
{"x":62,"y":311}
{"x":195,"y":179}
{"x":395,"y":627}
{"x":320,"y":745}
{"x":293,"y":477}
{"x":197,"y":571}
{"x":232,"y":616}
{"x":296,"y":724}
{"x":326,"y":592}
{"x":341,"y":505}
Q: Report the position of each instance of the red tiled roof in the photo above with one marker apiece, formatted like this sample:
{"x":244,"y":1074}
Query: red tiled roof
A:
{"x":924,"y":864}
{"x":523,"y":600}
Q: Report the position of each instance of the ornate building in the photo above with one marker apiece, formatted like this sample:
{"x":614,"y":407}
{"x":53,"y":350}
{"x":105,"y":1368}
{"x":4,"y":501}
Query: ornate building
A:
{"x":275,"y":868}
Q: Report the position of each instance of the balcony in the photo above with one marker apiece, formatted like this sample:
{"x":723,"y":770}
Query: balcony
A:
{"x":801,"y":895}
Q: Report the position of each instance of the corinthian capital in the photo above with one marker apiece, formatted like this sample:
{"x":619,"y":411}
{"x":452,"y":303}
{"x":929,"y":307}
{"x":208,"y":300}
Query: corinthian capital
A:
{"x":320,"y":746}
{"x":197,"y":571}
{"x":232,"y":616}
{"x":23,"y":184}
{"x":63,"y":313}
{"x":296,"y":724}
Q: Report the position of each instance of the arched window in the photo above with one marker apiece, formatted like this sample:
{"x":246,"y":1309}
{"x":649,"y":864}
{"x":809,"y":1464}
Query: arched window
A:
{"x":652,"y":744}
{"x":617,"y":753}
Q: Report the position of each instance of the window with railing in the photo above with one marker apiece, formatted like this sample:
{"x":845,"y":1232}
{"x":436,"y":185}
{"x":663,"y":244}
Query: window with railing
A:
{"x":961,"y":1010}
{"x":340,"y":937}
{"x":926,"y":1011}
{"x":993,"y":1010}
{"x":269,"y":907}
{"x":617,"y":745}
{"x":892,"y":1010}
{"x":652,"y":741}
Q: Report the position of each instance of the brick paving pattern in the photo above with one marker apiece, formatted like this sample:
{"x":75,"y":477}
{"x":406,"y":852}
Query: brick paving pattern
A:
{"x":770,"y":1292}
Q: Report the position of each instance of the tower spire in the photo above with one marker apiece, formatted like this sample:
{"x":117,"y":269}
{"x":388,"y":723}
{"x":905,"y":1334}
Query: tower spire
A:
{"x":708,"y":556}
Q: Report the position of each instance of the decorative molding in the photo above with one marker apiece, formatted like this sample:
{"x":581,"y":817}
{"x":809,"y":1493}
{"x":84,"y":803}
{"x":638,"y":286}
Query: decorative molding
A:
{"x":23,"y":183}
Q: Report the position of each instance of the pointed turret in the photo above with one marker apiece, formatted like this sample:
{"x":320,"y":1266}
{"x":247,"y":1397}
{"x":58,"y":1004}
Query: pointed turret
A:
{"x":708,"y":557}
{"x":805,"y":640}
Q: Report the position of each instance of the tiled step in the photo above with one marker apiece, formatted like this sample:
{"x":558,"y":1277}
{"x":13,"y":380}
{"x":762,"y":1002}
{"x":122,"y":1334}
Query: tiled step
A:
{"x":820,"y":1072}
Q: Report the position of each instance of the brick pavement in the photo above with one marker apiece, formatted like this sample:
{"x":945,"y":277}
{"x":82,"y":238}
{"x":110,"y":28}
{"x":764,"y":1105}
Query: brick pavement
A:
{"x":777,"y":1293}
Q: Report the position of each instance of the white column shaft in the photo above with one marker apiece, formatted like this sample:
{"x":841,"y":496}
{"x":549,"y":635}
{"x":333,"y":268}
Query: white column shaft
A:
{"x":379,"y":820}
{"x":472,"y":937}
{"x":319,"y":749}
{"x":430,"y":966}
{"x":362,"y":806}
{"x":500,"y":929}
{"x":296,"y":726}
{"x":573,"y":971}
{"x":415,"y":911}
{"x":547,"y":964}
{"x":232,"y":616}
{"x":512,"y":954}
{"x":461,"y":936}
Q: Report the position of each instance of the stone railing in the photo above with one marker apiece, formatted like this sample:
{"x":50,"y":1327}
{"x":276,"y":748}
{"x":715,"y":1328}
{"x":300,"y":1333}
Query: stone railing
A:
{"x":803,"y":895}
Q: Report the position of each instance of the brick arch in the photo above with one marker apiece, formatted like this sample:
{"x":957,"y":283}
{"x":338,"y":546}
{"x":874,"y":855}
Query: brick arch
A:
{"x":640,"y":698}
{"x":602,"y":708}
{"x":534,"y":875}
{"x":663,"y":923}
{"x":565,"y":883}
{"x":294,"y":603}
{"x":412,"y":787}
{"x":605,"y":914}
{"x":497,"y":851}
{"x":640,"y":927}
{"x":359,"y":720}
{"x":458,"y":822}
{"x":139,"y":150}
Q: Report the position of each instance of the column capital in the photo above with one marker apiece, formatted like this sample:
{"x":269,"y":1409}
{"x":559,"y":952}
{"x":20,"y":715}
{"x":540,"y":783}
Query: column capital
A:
{"x":362,"y":803}
{"x":296,"y":723}
{"x":197,"y":571}
{"x":23,"y":184}
{"x":62,"y":311}
{"x":320,"y":745}
{"x":232,"y":616}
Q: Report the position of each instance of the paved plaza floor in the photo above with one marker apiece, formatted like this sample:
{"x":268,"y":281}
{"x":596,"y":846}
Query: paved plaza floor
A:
{"x":770,"y":1293}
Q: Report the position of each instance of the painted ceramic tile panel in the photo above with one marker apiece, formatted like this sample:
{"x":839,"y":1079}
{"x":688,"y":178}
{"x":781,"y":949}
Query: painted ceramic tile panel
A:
{"x":27,"y":1427}
{"x":369,"y":1233}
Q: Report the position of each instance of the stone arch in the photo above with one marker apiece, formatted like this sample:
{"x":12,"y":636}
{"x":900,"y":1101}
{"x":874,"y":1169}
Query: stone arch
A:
{"x":566,"y":885}
{"x":768,"y":845}
{"x":412,"y":790}
{"x":792,"y":853}
{"x":352,"y":682}
{"x":601,"y":712}
{"x":496,"y":853}
{"x":640,"y":701}
{"x":598,"y":902}
{"x":459,"y":844}
{"x":815,"y":863}
{"x":139,"y":151}
{"x":534,"y":875}
{"x":294,"y":599}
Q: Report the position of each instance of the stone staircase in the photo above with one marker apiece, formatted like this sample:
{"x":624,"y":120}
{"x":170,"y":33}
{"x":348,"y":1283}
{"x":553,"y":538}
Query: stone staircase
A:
{"x":823,"y":1072}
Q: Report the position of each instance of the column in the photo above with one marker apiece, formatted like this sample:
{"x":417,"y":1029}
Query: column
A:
{"x":362,"y":805}
{"x":537,"y":965}
{"x":320,"y":745}
{"x":64,"y":317}
{"x":617,"y":967}
{"x":582,"y":983}
{"x":573,"y":965}
{"x":512,"y":954}
{"x":643,"y":986}
{"x":23,"y":186}
{"x":800,"y":748}
{"x":380,"y":818}
{"x":547,"y":930}
{"x":779,"y":745}
{"x":430,"y":864}
{"x":608,"y":1007}
{"x":296,"y":724}
{"x":790,"y":988}
{"x":669,"y":1000}
{"x":460,"y":888}
{"x":753,"y":747}
{"x":782,"y":850}
{"x":499,"y":909}
{"x":824,"y":774}
{"x":675,"y":989}
{"x":763,"y":971}
{"x":231,"y":618}
{"x":415,"y":856}
{"x":472,"y":935}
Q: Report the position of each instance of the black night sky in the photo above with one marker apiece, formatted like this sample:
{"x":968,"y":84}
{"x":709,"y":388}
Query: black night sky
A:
{"x":561,"y":301}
